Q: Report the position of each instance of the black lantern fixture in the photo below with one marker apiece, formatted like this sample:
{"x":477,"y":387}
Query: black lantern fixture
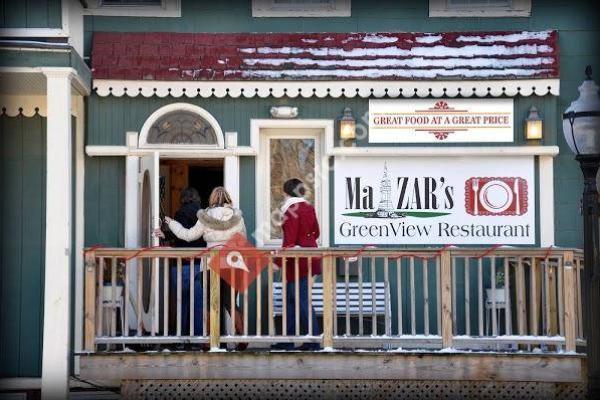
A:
{"x":581,"y":127}
{"x":347,"y":125}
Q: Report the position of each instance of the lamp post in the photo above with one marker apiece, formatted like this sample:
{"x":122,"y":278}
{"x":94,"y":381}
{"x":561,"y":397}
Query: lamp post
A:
{"x":581,"y":127}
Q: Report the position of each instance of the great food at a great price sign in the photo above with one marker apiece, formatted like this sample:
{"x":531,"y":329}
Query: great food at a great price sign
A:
{"x":437,"y":200}
{"x":441,"y":120}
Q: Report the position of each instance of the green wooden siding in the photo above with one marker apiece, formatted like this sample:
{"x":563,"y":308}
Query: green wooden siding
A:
{"x":110,"y":117}
{"x":113,"y":116}
{"x":105,"y":201}
{"x":30,"y":14}
{"x":22,"y":235}
{"x":44,"y":56}
{"x":578,"y":33}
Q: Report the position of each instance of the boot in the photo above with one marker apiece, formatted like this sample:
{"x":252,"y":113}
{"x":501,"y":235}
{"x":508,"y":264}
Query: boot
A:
{"x":239,"y":329}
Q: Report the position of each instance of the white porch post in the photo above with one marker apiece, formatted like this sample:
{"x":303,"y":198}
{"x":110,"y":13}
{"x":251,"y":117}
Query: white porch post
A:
{"x":232,"y":178}
{"x":546,"y":166}
{"x":132,"y":172}
{"x":231,"y":173}
{"x":57,"y":282}
{"x":132,"y":226}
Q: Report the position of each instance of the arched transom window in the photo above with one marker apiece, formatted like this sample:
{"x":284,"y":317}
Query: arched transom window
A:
{"x":181,"y":125}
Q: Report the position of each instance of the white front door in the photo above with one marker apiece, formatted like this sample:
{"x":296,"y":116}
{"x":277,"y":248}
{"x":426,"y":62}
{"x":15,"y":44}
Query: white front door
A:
{"x":148,"y":218}
{"x":149,"y":199}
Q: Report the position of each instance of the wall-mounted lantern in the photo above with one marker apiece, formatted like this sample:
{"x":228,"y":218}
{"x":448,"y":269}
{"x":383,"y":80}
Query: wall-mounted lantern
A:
{"x":347,"y":125}
{"x":534,"y":125}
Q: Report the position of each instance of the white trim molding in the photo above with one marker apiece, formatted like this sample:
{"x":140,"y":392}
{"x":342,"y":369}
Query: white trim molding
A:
{"x":79,"y":198}
{"x":57,"y":275}
{"x":72,"y":14}
{"x":77,"y":82}
{"x":515,"y":8}
{"x":546,"y":196}
{"x":27,"y":106}
{"x":34,"y":32}
{"x":231,"y":178}
{"x":324,"y":127}
{"x":31,"y":105}
{"x":268,"y":8}
{"x":168,"y":8}
{"x":335,"y":89}
{"x":71,"y":27}
{"x":446,"y":151}
{"x":80,"y":86}
{"x":325,"y":124}
{"x":156,"y":115}
{"x":124,"y":151}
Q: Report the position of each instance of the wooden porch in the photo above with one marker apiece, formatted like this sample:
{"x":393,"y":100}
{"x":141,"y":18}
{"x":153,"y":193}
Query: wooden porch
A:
{"x":452,"y":317}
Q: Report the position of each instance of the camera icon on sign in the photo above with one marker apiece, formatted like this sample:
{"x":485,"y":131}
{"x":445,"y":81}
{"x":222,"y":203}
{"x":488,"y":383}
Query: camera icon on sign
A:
{"x":495,"y":196}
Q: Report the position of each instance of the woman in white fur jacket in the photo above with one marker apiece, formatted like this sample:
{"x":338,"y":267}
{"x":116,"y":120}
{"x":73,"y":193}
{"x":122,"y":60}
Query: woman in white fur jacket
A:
{"x":216,"y":224}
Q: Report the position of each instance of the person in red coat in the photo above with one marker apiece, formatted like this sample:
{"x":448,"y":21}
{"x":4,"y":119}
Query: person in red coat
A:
{"x":300,"y":229}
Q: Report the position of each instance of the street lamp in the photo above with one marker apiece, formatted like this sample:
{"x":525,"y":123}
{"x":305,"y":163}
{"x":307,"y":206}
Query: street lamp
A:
{"x":581,"y":127}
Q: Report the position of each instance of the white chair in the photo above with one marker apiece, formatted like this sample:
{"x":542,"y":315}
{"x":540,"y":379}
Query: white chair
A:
{"x":108,"y":308}
{"x":501,"y":294}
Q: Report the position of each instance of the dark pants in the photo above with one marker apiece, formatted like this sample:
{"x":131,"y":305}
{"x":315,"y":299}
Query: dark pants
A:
{"x":185,"y":297}
{"x":303,"y":307}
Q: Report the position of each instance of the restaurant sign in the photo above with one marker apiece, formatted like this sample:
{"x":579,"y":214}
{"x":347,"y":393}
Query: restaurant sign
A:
{"x":441,"y":121}
{"x":437,"y":200}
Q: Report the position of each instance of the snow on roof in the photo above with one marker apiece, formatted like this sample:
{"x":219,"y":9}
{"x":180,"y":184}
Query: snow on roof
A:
{"x":325,"y":56}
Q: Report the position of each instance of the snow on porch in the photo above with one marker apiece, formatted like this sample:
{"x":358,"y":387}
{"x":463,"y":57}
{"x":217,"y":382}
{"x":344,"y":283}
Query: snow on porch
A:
{"x":325,"y":56}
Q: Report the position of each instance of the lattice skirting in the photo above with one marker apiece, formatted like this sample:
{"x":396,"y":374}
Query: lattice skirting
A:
{"x":347,"y":389}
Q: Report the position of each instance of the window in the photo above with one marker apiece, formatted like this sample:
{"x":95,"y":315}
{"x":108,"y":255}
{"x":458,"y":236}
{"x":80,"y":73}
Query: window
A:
{"x":284,"y":166}
{"x":478,"y":3}
{"x":479,"y":8}
{"x":131,"y":3}
{"x":182,"y":127}
{"x":289,"y":149}
{"x":134,"y":8}
{"x":300,"y":8}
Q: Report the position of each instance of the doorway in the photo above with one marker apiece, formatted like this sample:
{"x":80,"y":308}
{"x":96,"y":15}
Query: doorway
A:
{"x":176,"y":175}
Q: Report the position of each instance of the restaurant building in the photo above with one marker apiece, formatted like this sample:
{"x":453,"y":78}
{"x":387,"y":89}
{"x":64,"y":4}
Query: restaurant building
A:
{"x":430,"y":130}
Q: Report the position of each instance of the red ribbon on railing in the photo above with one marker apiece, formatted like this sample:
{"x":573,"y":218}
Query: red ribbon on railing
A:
{"x":420,"y":257}
{"x":488,"y":251}
{"x":142,"y":250}
{"x":207,"y":250}
{"x":94,"y":247}
{"x":548,"y":252}
{"x":363,"y":249}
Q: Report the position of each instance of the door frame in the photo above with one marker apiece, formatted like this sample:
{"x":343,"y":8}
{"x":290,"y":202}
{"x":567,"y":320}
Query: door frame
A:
{"x":324,"y":143}
{"x":134,"y":190}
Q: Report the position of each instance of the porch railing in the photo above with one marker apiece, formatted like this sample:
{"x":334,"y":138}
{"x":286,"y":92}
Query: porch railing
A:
{"x":495,"y":299}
